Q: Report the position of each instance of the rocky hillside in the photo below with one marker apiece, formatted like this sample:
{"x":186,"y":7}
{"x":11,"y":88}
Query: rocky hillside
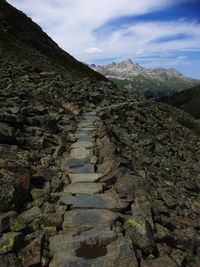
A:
{"x":87,"y":178}
{"x":187,"y":100}
{"x":156,"y":83}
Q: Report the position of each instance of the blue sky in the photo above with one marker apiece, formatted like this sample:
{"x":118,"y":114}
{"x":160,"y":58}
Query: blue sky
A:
{"x":153,"y":33}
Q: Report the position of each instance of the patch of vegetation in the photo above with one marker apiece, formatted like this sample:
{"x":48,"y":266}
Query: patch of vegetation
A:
{"x":151,"y":87}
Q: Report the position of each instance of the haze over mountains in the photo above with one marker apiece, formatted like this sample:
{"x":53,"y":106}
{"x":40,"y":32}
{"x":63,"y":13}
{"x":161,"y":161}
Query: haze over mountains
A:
{"x":90,"y":174}
{"x":157,"y":82}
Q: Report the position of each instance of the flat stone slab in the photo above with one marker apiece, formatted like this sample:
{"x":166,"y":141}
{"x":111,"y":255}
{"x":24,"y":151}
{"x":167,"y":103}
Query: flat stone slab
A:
{"x":84,"y":168}
{"x":89,"y":119}
{"x":91,"y":113}
{"x":96,"y":247}
{"x":87,"y":129}
{"x":84,"y":136}
{"x":84,"y":188}
{"x":74,"y":162}
{"x":85,"y":177}
{"x":83,"y":144}
{"x":97,"y":201}
{"x":86,"y":124}
{"x":80,"y":153}
{"x":79,"y":220}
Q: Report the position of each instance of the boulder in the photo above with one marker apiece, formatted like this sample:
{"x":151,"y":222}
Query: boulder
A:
{"x":108,"y":166}
{"x":141,"y":233}
{"x":142,"y":206}
{"x":31,"y":255}
{"x":9,"y":260}
{"x":164,"y":261}
{"x":127,"y":185}
{"x":14,"y":188}
{"x":10,"y":241}
{"x":29,"y":215}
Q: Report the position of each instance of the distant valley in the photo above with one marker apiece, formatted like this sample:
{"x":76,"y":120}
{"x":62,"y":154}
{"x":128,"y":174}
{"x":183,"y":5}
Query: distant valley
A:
{"x":156,"y":83}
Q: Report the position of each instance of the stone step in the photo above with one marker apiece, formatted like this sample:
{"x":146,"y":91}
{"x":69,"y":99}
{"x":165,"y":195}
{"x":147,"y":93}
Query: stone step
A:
{"x":99,"y":246}
{"x":84,"y":144}
{"x":81,"y":220}
{"x":71,"y":163}
{"x":91,"y":113}
{"x":97,"y":201}
{"x":86,"y":125}
{"x":85,"y":168}
{"x":89,"y":119}
{"x":89,"y":130}
{"x":85,"y":177}
{"x":81,"y":153}
{"x":84,"y":188}
{"x":85,"y":136}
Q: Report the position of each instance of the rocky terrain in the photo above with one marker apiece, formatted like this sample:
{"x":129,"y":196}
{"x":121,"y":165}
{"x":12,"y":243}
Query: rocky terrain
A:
{"x":90,"y":175}
{"x":156,"y":83}
{"x":187,"y":100}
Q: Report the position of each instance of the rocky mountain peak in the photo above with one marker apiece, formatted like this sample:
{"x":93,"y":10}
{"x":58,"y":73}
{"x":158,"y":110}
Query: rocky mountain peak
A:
{"x":127,"y":62}
{"x":158,"y":82}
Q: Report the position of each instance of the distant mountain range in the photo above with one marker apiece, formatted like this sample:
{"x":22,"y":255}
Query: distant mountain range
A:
{"x":156,"y":83}
{"x":188,"y":100}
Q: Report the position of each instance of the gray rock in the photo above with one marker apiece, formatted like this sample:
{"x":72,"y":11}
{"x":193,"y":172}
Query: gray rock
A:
{"x":77,"y":220}
{"x":56,"y":184}
{"x":140,"y":232}
{"x":79,"y":167}
{"x":83,"y":144}
{"x":85,"y":177}
{"x":10,"y":241}
{"x":31,"y":255}
{"x":83,"y":188}
{"x":9,"y":260}
{"x":78,"y":250}
{"x":29,"y":215}
{"x":164,"y":261}
{"x":97,"y":201}
{"x":48,"y":207}
{"x":14,"y":188}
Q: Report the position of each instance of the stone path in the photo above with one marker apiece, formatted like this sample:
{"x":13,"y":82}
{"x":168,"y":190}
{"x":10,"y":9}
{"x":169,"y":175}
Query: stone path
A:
{"x":89,"y":236}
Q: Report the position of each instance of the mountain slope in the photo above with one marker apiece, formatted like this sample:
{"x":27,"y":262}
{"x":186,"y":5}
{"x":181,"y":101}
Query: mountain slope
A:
{"x":188,"y":100}
{"x":151,"y":82}
{"x":137,"y":157}
{"x":18,"y":32}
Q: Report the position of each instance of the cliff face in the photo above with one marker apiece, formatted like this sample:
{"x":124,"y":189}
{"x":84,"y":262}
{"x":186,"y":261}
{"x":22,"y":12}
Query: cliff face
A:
{"x":61,"y":121}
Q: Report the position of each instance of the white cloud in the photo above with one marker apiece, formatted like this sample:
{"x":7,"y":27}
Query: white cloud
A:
{"x":182,"y":57}
{"x":93,"y":50}
{"x":73,"y":24}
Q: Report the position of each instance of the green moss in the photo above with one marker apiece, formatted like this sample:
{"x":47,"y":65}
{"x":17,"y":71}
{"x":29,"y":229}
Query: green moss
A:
{"x":35,"y":225}
{"x":17,"y":225}
{"x":134,"y":224}
{"x":8,"y":242}
{"x":142,"y":174}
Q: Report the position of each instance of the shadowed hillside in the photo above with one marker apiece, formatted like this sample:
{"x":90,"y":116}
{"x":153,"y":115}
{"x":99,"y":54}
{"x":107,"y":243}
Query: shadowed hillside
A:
{"x":188,"y":100}
{"x":19,"y":34}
